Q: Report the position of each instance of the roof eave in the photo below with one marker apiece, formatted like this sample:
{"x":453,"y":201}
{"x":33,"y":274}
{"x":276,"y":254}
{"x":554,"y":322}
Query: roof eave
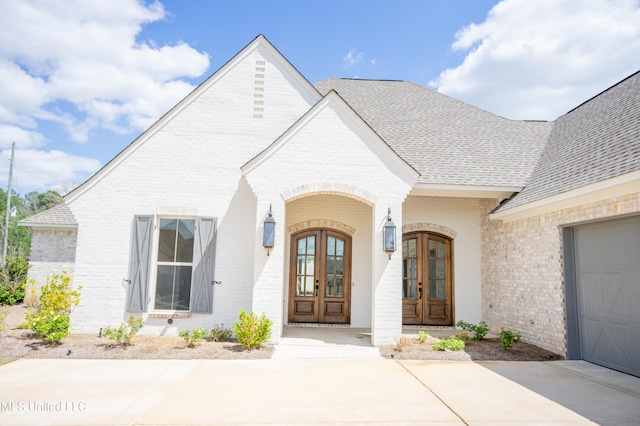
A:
{"x":47,"y":225}
{"x":463,"y":191}
{"x":618,"y":186}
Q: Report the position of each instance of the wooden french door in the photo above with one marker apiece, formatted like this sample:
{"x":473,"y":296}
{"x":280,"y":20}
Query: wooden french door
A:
{"x":320,"y":277}
{"x":427,"y":293}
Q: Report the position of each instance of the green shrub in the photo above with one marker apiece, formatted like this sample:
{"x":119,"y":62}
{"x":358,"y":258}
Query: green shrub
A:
{"x":193,"y":337}
{"x":508,"y":338}
{"x":252,"y":331}
{"x":123,"y":334}
{"x":422,"y":336}
{"x":450,"y":344}
{"x":50,"y":318}
{"x":479,"y":331}
{"x":220,"y":334}
{"x":13,"y":280}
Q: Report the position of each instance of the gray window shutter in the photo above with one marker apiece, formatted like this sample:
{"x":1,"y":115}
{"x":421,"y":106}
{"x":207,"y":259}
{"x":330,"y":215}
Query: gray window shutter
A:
{"x":204,"y":254}
{"x":140,"y":264}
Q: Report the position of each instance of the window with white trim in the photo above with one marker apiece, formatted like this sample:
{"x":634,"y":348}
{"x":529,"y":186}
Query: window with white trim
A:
{"x":174,"y":267}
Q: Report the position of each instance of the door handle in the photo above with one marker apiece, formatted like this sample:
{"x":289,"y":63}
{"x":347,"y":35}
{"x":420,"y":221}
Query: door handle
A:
{"x":419,"y":291}
{"x":317,"y":287}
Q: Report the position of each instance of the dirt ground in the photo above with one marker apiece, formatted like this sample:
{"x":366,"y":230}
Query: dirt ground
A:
{"x":16,"y":343}
{"x":488,"y":349}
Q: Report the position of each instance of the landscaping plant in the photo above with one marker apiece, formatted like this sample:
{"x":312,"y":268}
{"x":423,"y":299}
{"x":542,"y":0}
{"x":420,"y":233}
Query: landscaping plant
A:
{"x":422,"y":336}
{"x":450,"y":344}
{"x":193,"y":337}
{"x":123,"y":334}
{"x":508,"y":338}
{"x":220,"y":334}
{"x":4,"y":313}
{"x":50,"y":318}
{"x":401,"y":344}
{"x":252,"y":331}
{"x":479,"y":330}
{"x":462,"y":336}
{"x":13,"y":280}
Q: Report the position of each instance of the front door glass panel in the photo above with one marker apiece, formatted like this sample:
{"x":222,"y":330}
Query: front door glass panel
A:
{"x":305,"y":272}
{"x":437,"y":270}
{"x":335,"y":267}
{"x":409,"y":268}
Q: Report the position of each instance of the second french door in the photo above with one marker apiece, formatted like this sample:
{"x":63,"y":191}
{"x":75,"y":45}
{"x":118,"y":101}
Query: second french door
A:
{"x":427,"y":285}
{"x":320,"y":277}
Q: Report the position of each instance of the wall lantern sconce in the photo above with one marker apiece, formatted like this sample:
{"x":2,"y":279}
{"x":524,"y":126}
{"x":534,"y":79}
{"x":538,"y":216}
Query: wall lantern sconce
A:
{"x":269,"y":232}
{"x":389,"y":235}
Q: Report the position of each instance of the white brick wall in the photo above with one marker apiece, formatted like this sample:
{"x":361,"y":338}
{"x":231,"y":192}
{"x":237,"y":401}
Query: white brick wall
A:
{"x":190,"y":166}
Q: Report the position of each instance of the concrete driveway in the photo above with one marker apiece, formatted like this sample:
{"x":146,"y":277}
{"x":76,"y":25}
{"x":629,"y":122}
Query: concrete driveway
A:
{"x":314,"y":391}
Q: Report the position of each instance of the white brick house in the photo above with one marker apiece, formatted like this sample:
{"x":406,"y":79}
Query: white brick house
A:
{"x":183,"y":207}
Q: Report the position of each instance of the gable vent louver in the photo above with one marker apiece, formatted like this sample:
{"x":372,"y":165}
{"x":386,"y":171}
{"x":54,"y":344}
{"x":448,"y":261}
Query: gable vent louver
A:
{"x":258,"y":90}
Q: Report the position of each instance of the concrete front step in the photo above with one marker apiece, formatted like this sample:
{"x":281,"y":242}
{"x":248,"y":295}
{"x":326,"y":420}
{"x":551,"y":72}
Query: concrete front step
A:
{"x":301,"y":342}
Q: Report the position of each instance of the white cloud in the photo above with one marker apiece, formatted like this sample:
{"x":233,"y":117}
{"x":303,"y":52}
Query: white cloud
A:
{"x":353,"y":57}
{"x":86,"y":54}
{"x":40,"y":171}
{"x":22,"y":137}
{"x":539,"y":59}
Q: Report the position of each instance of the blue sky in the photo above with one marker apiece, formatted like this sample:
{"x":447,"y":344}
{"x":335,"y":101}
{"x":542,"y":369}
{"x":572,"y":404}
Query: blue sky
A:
{"x":80,"y":80}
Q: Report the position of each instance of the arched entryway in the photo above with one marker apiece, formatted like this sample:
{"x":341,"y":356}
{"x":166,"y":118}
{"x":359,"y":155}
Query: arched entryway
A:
{"x":320,"y":277}
{"x":427,"y":279}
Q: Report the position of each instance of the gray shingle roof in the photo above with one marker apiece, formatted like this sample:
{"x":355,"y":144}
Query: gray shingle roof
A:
{"x":598,"y":140}
{"x":447,"y":141}
{"x":59,"y":216}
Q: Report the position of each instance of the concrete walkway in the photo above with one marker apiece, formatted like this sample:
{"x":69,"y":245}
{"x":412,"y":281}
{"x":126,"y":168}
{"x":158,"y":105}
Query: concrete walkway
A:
{"x":326,"y":343}
{"x":314,"y":391}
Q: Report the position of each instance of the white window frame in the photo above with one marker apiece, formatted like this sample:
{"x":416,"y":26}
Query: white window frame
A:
{"x":155,"y":263}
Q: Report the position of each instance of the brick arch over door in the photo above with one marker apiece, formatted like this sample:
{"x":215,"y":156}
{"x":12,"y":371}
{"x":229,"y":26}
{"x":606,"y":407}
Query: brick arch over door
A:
{"x":332,"y":188}
{"x":321,"y":223}
{"x":431,"y":228}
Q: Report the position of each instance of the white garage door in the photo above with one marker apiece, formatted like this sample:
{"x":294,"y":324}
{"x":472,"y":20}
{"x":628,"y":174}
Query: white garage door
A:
{"x":607,"y":256}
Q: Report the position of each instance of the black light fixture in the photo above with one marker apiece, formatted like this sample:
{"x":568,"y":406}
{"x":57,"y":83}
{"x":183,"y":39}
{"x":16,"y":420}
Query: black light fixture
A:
{"x":269,"y":232}
{"x":389,"y":235}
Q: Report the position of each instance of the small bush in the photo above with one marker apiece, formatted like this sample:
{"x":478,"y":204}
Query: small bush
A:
{"x":50,"y":319}
{"x":13,"y":280}
{"x":401,"y":344}
{"x":220,"y":334}
{"x":450,"y":344}
{"x":422,"y":336}
{"x":462,"y":336}
{"x":479,"y":331}
{"x":4,"y":313}
{"x":123,"y":334}
{"x":508,"y":338}
{"x":193,"y":337}
{"x":252,"y":331}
